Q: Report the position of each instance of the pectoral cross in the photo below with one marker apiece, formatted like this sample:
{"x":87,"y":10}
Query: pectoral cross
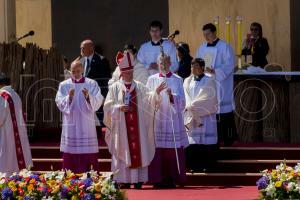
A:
{"x":127,"y":98}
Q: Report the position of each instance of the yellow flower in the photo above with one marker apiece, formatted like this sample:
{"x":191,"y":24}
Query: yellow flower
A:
{"x":11,"y":184}
{"x":98,"y":187}
{"x":74,"y":198}
{"x":52,"y":183}
{"x":69,"y":173}
{"x":278,"y":184}
{"x":55,"y":190}
{"x":67,"y":183}
{"x":30,"y":187}
{"x":22,"y":184}
{"x":14,"y":189}
{"x":20,"y":198}
{"x":98,"y":196}
{"x":32,"y":181}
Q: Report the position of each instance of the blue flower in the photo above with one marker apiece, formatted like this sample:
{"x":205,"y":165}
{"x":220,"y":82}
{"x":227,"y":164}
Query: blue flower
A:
{"x":88,"y":182}
{"x":89,"y":196}
{"x":262,"y":183}
{"x":64,"y":192}
{"x":73,"y":181}
{"x":16,"y":178}
{"x":284,"y":184}
{"x":6,"y":193}
{"x":35,"y":177}
{"x":28,"y":198}
{"x":44,"y":191}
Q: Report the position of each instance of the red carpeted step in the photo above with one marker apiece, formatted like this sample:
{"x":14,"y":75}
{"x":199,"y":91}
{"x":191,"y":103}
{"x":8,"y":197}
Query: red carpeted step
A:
{"x":195,"y":193}
{"x":243,"y":166}
{"x":51,"y":150}
{"x":263,"y":153}
{"x":43,"y":164}
{"x":236,"y":165}
{"x":54,"y":152}
{"x":222,"y":166}
{"x":225,"y":179}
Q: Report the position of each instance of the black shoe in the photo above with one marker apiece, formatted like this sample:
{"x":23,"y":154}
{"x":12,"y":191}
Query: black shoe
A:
{"x":158,"y":186}
{"x":124,"y":185}
{"x":138,"y":185}
{"x":170,"y":186}
{"x":169,"y":183}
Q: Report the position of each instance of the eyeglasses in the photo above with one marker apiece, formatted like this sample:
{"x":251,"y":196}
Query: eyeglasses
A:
{"x":253,"y":29}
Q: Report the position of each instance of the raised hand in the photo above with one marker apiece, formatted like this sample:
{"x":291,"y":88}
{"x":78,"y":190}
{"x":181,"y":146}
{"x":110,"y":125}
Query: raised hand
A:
{"x":161,"y":87}
{"x":85,"y":93}
{"x":124,"y":108}
{"x":71,"y":92}
{"x":153,"y":66}
{"x":169,"y":91}
{"x":209,"y":70}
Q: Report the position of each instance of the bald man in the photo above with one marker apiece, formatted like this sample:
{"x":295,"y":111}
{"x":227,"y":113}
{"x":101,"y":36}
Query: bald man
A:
{"x":78,"y":98}
{"x":95,"y":67}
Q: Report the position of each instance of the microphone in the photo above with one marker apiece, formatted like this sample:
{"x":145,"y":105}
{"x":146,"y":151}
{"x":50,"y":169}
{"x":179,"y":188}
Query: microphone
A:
{"x":30,"y":33}
{"x":172,"y":36}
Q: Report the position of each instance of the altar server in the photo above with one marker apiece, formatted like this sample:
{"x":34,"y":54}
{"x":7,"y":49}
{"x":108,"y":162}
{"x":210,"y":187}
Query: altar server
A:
{"x":200,"y":117}
{"x":78,"y":98}
{"x":220,"y":61}
{"x":150,"y":51}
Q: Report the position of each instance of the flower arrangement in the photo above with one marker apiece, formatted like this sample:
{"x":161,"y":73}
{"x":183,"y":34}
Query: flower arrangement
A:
{"x":27,"y":185}
{"x":280,"y":183}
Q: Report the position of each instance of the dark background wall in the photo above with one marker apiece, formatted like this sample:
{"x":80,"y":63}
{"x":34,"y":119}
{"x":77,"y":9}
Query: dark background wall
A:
{"x":109,"y":23}
{"x":295,"y":34}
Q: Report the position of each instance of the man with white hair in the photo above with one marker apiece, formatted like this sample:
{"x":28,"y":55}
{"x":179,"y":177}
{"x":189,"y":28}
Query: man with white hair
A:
{"x":78,"y":98}
{"x":168,"y":166}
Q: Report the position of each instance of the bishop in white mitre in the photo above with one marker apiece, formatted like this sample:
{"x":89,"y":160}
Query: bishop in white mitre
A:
{"x":140,"y":73}
{"x":129,"y":117}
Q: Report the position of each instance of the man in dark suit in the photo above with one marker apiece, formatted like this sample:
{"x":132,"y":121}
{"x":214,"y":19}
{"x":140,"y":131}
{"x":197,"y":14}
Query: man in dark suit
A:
{"x":95,"y":67}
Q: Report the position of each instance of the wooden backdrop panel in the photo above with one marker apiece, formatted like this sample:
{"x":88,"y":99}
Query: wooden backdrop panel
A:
{"x":190,"y":15}
{"x":34,"y":15}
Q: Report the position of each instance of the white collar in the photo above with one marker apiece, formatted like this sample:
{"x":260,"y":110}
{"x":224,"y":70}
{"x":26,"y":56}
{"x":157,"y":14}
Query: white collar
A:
{"x":90,"y":57}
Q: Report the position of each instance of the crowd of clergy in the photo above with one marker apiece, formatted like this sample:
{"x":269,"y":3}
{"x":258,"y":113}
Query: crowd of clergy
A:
{"x":164,"y":112}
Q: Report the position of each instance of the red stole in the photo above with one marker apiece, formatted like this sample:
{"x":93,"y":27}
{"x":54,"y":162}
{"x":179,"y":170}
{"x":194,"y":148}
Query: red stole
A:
{"x":18,"y":145}
{"x":133,"y":135}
